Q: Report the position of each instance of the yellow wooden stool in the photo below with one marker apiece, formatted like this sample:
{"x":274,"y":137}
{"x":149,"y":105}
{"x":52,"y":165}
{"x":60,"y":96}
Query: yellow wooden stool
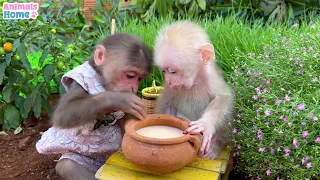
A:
{"x":119,"y":167}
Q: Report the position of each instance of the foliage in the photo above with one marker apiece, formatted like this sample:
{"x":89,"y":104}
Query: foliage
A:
{"x":25,"y":87}
{"x":269,"y":10}
{"x":277,"y":103}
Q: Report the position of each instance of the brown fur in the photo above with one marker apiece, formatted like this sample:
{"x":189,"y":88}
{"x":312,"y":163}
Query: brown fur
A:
{"x":114,"y":59}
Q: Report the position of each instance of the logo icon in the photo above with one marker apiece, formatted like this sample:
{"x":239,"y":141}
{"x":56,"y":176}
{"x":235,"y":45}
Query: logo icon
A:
{"x":20,"y":10}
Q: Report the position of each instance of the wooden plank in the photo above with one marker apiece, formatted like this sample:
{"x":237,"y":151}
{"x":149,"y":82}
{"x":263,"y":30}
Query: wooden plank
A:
{"x":223,"y":166}
{"x":225,"y":153}
{"x":112,"y":172}
{"x":201,"y":163}
{"x":229,"y":168}
{"x":118,"y":159}
{"x":206,"y":164}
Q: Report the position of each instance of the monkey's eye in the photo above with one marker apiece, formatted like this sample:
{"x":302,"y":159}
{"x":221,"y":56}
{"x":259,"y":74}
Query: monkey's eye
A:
{"x":129,"y":76}
{"x":172,"y":71}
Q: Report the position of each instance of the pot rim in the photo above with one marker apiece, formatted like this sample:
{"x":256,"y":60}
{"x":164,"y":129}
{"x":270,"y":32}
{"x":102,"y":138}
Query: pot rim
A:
{"x":131,"y":130}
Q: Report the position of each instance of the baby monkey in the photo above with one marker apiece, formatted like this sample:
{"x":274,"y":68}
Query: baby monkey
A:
{"x":87,"y":122}
{"x":194,"y":88}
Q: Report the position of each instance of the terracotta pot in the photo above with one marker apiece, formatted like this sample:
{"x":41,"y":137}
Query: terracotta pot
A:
{"x":159,"y":155}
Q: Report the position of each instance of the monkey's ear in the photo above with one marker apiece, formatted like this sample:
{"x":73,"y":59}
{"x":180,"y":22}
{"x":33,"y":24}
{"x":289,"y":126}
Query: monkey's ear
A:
{"x":99,"y":55}
{"x":207,"y":53}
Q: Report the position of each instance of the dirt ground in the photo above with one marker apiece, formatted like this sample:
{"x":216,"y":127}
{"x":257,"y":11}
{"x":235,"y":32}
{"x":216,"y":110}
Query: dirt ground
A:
{"x":19,"y":158}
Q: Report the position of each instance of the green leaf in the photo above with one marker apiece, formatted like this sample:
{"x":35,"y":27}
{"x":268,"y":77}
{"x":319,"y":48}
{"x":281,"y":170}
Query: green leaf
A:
{"x":3,"y":133}
{"x":1,"y":115}
{"x":48,"y":71}
{"x":2,"y":70}
{"x":46,"y":105}
{"x":19,"y":101}
{"x":8,"y":58}
{"x":16,"y":44}
{"x":6,"y":93}
{"x":12,"y":115}
{"x":18,"y":130}
{"x":31,"y":98}
{"x":22,"y":53}
{"x":44,"y":54}
{"x":99,"y":19}
{"x":184,"y":1}
{"x":45,"y":5}
{"x":202,"y":4}
{"x":61,"y":89}
{"x":37,"y":106}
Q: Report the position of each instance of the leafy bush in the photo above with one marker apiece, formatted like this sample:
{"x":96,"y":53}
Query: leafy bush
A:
{"x":277,"y":102}
{"x":268,"y":10}
{"x":28,"y":76}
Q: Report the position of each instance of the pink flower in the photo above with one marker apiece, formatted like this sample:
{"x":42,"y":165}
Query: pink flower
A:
{"x":234,"y":131}
{"x":261,"y":150}
{"x":271,"y":150}
{"x":277,"y":102}
{"x":298,"y":72}
{"x":280,"y":166}
{"x":309,"y":165}
{"x":238,"y":146}
{"x":317,"y":140}
{"x":315,"y":79}
{"x":304,"y":160}
{"x":295,"y":25}
{"x":267,"y":112}
{"x":268,"y":81}
{"x":303,"y":123}
{"x":295,"y":143}
{"x":287,"y":151}
{"x":257,"y":89}
{"x":286,"y":97}
{"x":315,"y":54}
{"x":268,"y":172}
{"x":294,"y":113}
{"x":301,"y":107}
{"x":305,"y":134}
{"x":255,"y":97}
{"x":278,"y":149}
{"x":310,"y":48}
{"x":292,"y":160}
{"x":285,"y":119}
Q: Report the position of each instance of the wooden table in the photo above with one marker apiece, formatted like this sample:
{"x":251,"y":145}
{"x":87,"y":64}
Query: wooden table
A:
{"x":119,"y":167}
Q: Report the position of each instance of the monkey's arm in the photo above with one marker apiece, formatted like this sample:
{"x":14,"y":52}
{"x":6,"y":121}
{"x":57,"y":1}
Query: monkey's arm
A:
{"x":77,"y":107}
{"x":219,"y":110}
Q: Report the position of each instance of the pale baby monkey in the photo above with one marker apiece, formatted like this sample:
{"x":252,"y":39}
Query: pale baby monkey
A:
{"x":194,"y":88}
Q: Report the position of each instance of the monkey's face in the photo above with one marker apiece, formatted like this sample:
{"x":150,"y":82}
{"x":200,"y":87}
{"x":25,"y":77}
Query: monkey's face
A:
{"x":178,"y":78}
{"x":123,"y":79}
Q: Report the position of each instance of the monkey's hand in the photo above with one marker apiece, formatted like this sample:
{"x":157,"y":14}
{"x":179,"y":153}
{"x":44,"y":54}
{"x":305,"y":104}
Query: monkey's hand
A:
{"x":128,"y":103}
{"x":205,"y":128}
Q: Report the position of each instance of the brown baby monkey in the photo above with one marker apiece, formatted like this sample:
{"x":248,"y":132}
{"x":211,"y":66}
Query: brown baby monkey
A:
{"x":194,"y":88}
{"x":118,"y":65}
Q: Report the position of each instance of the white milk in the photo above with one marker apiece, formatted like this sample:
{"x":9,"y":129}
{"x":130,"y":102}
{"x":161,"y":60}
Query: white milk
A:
{"x":161,"y":132}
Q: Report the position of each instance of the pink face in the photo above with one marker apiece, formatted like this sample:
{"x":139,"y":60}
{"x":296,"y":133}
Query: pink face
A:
{"x":177,"y":78}
{"x":126,"y":80}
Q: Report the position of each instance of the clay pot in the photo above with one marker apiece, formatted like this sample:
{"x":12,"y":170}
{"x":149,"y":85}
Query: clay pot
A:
{"x":159,"y":155}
